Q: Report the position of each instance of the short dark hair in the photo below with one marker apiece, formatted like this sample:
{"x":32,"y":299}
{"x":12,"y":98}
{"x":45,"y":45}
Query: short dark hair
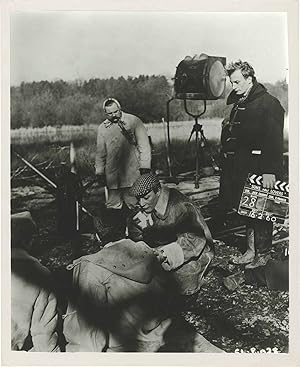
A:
{"x":246,"y":69}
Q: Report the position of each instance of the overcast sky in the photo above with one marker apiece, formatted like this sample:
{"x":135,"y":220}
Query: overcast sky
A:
{"x":84,"y":45}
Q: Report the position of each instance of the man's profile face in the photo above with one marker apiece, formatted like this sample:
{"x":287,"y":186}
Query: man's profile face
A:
{"x":148,"y":201}
{"x":113,"y":112}
{"x":239,"y":83}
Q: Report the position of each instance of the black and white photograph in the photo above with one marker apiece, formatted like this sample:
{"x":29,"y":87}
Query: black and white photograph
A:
{"x":149,"y":173}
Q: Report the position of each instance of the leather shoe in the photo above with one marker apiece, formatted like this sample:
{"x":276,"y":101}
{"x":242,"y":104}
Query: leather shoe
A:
{"x":234,"y":281}
{"x":260,"y":260}
{"x":246,"y":258}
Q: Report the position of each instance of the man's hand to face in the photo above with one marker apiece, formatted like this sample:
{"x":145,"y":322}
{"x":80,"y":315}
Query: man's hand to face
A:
{"x":143,"y":220}
{"x":268,"y":180}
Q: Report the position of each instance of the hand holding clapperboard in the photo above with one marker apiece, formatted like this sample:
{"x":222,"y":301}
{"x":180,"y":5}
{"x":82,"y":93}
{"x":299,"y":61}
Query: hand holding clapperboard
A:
{"x":265,"y":204}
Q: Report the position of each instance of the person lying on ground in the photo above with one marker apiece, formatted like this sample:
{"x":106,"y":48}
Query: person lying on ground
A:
{"x":121,"y":303}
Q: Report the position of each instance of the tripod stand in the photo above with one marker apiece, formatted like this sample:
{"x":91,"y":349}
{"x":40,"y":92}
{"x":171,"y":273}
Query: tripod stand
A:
{"x":201,"y":141}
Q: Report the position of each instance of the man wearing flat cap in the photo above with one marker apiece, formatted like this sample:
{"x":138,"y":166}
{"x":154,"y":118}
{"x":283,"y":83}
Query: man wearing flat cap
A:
{"x":172,"y":224}
{"x":123,"y":153}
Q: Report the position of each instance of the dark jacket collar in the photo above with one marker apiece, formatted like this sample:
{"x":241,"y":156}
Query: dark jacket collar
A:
{"x":162,"y":203}
{"x":256,"y":91}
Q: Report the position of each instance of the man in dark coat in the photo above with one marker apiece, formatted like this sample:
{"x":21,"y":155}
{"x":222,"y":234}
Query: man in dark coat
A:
{"x":252,"y":142}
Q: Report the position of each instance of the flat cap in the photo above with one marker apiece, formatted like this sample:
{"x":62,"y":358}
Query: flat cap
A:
{"x":145,"y":184}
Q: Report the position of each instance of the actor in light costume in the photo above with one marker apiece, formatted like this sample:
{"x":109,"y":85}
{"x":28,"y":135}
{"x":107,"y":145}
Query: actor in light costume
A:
{"x":123,"y":153}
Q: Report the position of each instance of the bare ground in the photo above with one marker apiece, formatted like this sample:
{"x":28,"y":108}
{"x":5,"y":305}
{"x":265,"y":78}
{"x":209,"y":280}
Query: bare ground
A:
{"x":250,"y":317}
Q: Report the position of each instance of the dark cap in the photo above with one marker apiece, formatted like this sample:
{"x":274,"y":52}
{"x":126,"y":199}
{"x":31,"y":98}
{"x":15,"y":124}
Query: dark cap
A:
{"x":145,"y":184}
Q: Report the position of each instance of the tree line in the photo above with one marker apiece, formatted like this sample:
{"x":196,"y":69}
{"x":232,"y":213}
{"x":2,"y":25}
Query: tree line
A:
{"x":45,"y":103}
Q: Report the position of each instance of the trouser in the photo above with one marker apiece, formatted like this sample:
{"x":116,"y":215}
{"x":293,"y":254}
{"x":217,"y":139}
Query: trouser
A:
{"x":116,"y":198}
{"x":262,"y":234}
{"x":118,"y":204}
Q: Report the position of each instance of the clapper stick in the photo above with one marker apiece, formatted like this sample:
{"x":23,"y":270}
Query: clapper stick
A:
{"x":262,"y":203}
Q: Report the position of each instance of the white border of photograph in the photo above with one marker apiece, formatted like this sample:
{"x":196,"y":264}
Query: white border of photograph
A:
{"x":292,"y":358}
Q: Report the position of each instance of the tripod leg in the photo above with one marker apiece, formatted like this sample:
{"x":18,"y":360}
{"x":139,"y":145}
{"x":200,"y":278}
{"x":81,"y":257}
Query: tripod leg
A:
{"x":206,"y":145}
{"x":192,"y":132}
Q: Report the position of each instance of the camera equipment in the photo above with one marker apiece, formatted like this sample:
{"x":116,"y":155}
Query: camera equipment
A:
{"x":200,"y":77}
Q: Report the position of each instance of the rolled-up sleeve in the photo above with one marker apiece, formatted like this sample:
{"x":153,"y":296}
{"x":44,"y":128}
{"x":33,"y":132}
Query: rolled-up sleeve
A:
{"x":100,"y":159}
{"x":143,"y":145}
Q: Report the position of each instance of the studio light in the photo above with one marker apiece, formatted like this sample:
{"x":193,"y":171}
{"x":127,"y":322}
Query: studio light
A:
{"x":200,"y":77}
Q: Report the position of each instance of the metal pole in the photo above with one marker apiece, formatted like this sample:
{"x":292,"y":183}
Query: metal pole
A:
{"x":36,"y":170}
{"x":77,"y":215}
{"x":196,"y":128}
{"x":169,"y":139}
{"x":197,"y":155}
{"x":72,"y":157}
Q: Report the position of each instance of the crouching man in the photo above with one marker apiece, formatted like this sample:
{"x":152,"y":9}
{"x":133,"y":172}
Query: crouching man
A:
{"x":33,"y":304}
{"x":172,"y":224}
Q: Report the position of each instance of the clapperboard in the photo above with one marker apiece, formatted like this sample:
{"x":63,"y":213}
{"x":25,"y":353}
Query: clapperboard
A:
{"x":265,"y":204}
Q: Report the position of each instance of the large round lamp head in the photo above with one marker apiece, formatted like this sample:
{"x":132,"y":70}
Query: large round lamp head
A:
{"x":200,"y":77}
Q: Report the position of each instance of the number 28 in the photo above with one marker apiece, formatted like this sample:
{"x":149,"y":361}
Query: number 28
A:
{"x":252,"y":201}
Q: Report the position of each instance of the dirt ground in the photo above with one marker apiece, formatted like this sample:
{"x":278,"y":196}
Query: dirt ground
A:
{"x":250,"y":319}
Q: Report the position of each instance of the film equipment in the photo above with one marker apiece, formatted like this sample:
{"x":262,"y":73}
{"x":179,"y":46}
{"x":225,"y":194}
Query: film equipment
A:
{"x":68,"y":191}
{"x":68,"y":200}
{"x":257,"y":202}
{"x":68,"y":187}
{"x":201,"y":77}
